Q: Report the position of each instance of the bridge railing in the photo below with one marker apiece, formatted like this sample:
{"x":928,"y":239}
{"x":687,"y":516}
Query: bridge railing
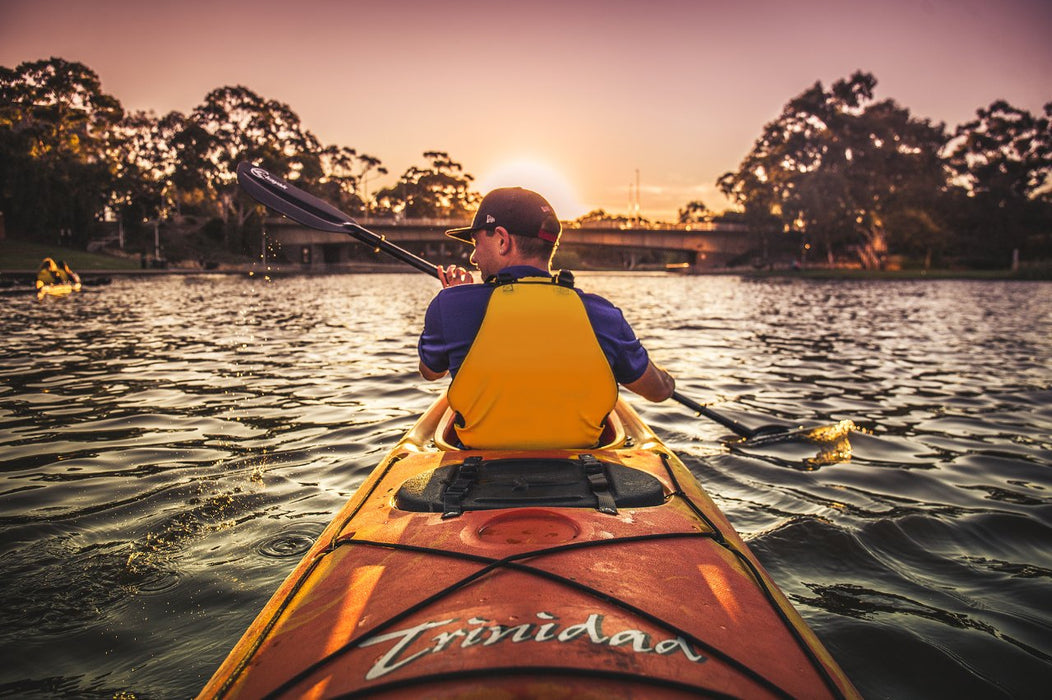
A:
{"x":412,"y":222}
{"x":446,"y":223}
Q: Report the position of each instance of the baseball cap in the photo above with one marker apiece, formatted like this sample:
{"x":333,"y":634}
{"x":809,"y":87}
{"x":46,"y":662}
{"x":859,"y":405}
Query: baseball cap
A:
{"x":522,"y":212}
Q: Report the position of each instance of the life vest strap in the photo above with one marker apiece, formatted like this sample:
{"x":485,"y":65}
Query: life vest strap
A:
{"x":599,"y":482}
{"x":464,"y":477}
{"x":563,"y":278}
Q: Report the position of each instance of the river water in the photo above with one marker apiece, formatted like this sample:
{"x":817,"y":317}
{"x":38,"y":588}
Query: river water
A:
{"x":170,"y":447}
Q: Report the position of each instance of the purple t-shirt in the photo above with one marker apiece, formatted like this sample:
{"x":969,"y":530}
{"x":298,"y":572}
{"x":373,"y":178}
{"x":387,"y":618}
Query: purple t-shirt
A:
{"x":455,"y":315}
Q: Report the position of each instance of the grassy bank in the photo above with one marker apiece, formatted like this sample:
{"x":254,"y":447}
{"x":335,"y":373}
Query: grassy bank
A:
{"x":25,"y":257}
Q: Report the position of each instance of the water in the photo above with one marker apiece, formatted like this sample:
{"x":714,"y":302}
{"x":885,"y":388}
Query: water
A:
{"x":170,"y":447}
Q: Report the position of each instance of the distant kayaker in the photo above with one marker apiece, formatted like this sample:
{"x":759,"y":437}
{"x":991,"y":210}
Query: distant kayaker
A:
{"x":545,"y":359}
{"x":49,"y":273}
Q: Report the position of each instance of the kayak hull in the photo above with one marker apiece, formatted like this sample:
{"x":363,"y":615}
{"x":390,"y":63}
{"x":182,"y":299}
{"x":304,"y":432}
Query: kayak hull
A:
{"x":57,"y":290}
{"x":503,"y":592}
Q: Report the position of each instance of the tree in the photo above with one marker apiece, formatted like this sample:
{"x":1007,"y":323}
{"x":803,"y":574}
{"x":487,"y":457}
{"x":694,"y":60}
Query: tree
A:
{"x":917,"y":231}
{"x":1002,"y":161}
{"x":441,"y":190}
{"x":145,"y":160}
{"x":55,"y":130}
{"x":234,"y":124}
{"x":694,"y":212}
{"x":1005,"y":152}
{"x":370,"y":167}
{"x":832,"y":166}
{"x":600,"y":217}
{"x":345,"y":177}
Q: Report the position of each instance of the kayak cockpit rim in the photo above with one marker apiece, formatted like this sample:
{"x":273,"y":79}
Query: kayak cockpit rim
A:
{"x":612,"y":437}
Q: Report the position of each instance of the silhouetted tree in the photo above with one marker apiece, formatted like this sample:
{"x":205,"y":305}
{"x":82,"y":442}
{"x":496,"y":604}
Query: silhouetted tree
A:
{"x":694,"y":212}
{"x":144,"y":160}
{"x":601,"y":217}
{"x":345,"y":177}
{"x":1002,"y":161}
{"x":441,"y":190}
{"x":836,"y":164}
{"x":56,"y":126}
{"x":234,"y":124}
{"x":1005,"y":152}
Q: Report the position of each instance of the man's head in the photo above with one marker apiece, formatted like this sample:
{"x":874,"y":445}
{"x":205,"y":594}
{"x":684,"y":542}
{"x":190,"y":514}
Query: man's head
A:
{"x":519,"y":226}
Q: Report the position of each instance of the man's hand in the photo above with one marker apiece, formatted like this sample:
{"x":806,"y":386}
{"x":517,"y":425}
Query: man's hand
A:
{"x":655,"y":385}
{"x":453,"y":275}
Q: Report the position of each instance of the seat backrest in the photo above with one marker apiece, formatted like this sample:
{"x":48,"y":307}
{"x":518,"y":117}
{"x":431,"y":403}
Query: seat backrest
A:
{"x":613,"y":434}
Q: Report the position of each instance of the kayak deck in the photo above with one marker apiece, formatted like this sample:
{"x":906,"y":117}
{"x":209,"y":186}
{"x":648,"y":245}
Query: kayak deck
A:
{"x":557,"y":573}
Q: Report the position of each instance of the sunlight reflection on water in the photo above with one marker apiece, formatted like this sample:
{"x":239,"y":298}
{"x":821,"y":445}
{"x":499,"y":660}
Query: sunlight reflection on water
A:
{"x":171,"y":446}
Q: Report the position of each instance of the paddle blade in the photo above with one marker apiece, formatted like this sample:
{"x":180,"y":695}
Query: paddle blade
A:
{"x":832,"y":441}
{"x":821,"y":435}
{"x":285,"y":198}
{"x":304,"y":208}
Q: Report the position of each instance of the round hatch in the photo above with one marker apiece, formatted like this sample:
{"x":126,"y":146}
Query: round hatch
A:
{"x":530,"y":526}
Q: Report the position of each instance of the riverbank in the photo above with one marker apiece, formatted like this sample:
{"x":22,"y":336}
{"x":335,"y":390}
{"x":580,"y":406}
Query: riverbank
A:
{"x":1039,"y":272}
{"x":20,"y":257}
{"x":20,"y":260}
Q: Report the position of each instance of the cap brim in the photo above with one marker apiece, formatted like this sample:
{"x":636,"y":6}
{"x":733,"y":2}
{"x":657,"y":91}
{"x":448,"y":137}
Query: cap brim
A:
{"x":461,"y":234}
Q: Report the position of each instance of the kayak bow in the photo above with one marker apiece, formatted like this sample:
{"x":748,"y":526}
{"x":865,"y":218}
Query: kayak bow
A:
{"x":602,"y":573}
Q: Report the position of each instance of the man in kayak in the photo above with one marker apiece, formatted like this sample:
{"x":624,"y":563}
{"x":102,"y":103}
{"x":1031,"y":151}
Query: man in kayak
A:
{"x":535,"y":362}
{"x":49,"y":273}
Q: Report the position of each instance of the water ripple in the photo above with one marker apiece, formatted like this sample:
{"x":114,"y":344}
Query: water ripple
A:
{"x":163,"y":468}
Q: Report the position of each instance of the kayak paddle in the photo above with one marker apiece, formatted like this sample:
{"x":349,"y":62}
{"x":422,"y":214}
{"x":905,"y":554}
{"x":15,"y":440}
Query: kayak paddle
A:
{"x":767,"y":434}
{"x":304,"y":208}
{"x":285,"y":198}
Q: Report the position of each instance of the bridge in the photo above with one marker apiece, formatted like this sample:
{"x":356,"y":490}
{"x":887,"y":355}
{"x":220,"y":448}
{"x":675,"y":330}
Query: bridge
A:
{"x":704,"y":245}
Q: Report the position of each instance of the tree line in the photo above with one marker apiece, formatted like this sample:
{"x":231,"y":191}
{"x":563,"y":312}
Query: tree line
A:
{"x":71,"y":155}
{"x":846,"y":173}
{"x":851,"y":174}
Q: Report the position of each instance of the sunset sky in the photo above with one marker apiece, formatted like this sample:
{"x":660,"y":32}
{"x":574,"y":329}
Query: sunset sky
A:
{"x":568,"y":97}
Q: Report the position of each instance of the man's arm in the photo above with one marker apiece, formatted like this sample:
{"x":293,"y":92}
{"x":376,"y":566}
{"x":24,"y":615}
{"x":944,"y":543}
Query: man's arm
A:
{"x":429,"y":374}
{"x":655,"y":385}
{"x":449,"y":277}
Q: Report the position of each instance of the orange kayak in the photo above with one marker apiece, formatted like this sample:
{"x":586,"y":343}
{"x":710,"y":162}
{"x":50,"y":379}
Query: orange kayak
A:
{"x":530,"y":574}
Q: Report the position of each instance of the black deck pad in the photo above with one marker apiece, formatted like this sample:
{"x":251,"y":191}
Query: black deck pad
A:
{"x":477,"y":484}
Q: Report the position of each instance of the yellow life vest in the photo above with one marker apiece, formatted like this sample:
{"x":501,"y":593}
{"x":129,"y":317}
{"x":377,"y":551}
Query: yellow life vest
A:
{"x":535,"y":376}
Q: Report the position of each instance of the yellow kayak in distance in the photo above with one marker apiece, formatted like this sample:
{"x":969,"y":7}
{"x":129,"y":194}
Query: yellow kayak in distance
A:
{"x":57,"y":289}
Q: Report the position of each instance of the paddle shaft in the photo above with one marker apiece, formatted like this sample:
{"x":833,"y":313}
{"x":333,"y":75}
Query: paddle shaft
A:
{"x":726,"y":422}
{"x":377,"y":241}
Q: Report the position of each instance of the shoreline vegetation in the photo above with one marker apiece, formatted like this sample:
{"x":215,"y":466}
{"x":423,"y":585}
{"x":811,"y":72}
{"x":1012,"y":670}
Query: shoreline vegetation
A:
{"x":19,"y":261}
{"x":840,"y":175}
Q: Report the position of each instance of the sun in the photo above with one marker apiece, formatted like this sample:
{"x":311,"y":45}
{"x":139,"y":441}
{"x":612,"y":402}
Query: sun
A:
{"x":541,"y":178}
